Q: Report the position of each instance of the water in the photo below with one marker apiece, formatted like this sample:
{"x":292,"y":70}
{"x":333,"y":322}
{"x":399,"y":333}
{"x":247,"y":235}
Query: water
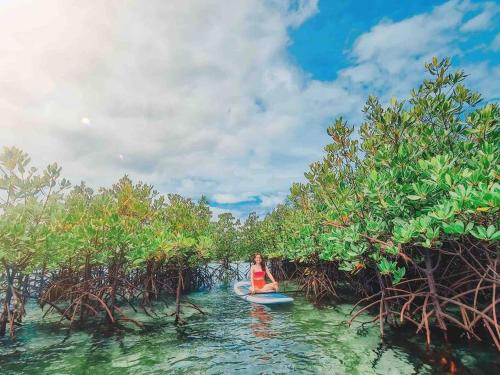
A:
{"x":235,"y":337}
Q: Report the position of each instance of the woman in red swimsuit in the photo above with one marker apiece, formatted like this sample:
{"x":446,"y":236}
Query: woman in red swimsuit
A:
{"x":258,"y":273}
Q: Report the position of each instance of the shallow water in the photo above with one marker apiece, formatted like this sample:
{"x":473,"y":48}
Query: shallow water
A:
{"x":235,"y":337}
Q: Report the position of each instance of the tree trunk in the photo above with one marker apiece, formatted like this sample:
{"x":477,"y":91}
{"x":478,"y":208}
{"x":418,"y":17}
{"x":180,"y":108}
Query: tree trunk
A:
{"x":150,"y":291}
{"x":178,"y":297}
{"x":87,"y":273}
{"x":4,"y":316}
{"x":383,"y":307}
{"x":42,"y":280}
{"x":114,"y":283}
{"x":429,"y":272}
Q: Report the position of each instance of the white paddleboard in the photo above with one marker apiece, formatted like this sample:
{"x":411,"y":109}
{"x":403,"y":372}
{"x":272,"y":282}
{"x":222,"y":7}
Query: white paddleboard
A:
{"x":242,"y":289}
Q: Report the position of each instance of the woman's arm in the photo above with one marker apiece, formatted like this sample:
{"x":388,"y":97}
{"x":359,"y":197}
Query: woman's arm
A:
{"x":251,"y":280}
{"x":270,"y":275}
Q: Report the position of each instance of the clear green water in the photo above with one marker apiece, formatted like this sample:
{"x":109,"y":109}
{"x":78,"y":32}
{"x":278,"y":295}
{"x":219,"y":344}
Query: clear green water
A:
{"x":235,"y":337}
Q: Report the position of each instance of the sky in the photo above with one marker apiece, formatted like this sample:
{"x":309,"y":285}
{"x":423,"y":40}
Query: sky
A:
{"x":229,"y":99}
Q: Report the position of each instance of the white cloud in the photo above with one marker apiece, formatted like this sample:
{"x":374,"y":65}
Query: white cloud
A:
{"x":412,"y":36}
{"x":196,"y":97}
{"x":388,"y":60}
{"x":304,"y":10}
{"x":495,"y":45}
{"x":485,"y":78}
{"x":390,"y":57}
{"x":272,"y":200}
{"x":483,"y":20}
{"x":238,"y":214}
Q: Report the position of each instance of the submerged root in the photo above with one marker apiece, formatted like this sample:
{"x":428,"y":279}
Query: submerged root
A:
{"x":98,"y":295}
{"x":465,"y":299}
{"x":316,"y":282}
{"x":12,"y":311}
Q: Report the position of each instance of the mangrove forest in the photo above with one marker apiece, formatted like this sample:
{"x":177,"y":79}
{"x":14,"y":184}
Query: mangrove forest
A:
{"x":399,"y":220}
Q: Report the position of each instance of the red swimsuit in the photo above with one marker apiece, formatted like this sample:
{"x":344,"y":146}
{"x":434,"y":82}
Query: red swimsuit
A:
{"x":259,"y":279}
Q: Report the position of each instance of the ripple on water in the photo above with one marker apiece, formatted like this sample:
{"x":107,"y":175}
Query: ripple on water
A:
{"x":235,"y":337}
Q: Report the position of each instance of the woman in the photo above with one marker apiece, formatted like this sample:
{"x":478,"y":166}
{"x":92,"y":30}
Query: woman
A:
{"x":258,"y":273}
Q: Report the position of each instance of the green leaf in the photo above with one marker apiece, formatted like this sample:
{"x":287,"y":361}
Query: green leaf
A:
{"x":392,"y":250}
{"x":448,"y":180}
{"x":386,"y":267}
{"x":490,"y":231}
{"x":457,"y":227}
{"x":414,"y":197}
{"x":398,"y":274}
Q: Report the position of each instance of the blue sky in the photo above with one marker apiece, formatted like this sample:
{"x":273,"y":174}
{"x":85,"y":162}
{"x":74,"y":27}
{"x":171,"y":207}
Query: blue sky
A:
{"x":322,"y":45}
{"x":226,"y":99}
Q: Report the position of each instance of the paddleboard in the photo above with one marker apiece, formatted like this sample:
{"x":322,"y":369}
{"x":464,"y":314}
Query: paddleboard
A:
{"x":242,"y":289}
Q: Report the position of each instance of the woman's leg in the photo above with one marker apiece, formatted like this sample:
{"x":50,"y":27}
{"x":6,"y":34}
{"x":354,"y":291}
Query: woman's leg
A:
{"x":271,"y":287}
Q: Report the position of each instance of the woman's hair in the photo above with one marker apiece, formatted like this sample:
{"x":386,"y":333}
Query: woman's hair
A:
{"x":262,"y":264}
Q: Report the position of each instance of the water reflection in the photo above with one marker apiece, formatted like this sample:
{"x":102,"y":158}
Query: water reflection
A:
{"x":239,"y":338}
{"x":261,"y":322}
